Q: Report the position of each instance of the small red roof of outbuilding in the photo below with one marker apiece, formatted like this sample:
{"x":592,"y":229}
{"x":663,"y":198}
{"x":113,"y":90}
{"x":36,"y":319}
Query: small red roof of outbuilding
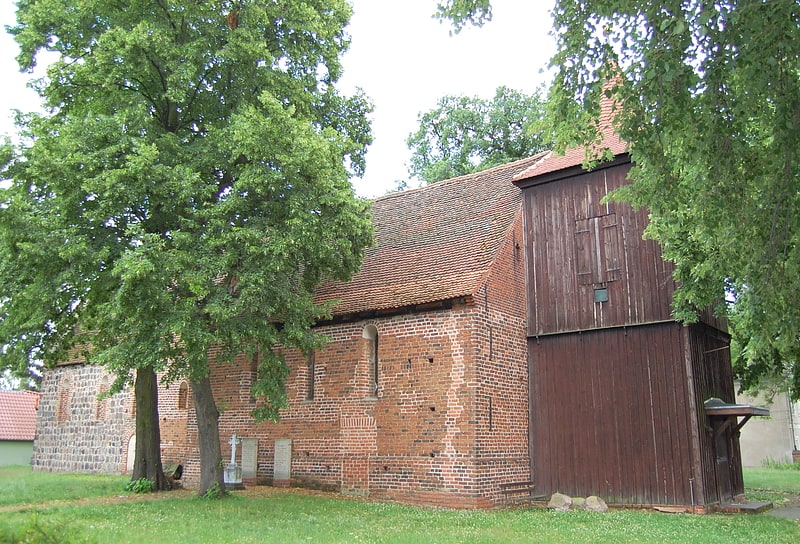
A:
{"x":18,"y":415}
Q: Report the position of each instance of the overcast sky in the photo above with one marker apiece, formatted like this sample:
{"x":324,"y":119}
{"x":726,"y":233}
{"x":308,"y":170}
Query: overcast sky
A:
{"x":403,"y":60}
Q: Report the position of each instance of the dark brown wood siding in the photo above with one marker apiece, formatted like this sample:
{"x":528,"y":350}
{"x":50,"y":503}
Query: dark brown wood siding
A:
{"x":611,"y":415}
{"x":577,"y":245}
{"x":617,"y":386}
{"x":713,"y":377}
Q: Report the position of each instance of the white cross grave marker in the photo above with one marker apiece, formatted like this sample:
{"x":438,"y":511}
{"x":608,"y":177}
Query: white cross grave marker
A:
{"x":233,"y":442}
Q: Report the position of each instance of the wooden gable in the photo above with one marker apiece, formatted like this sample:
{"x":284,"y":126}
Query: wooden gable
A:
{"x":589,"y":266}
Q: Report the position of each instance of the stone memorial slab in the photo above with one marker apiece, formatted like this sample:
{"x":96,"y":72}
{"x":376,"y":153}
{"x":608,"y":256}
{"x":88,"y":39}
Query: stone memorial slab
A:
{"x":249,"y":458}
{"x":283,"y":460}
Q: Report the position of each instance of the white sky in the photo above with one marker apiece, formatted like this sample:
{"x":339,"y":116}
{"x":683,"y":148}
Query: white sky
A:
{"x":403,"y":60}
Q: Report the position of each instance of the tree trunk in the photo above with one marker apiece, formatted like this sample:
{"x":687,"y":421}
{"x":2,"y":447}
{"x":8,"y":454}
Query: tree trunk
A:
{"x":208,"y":435}
{"x":147,"y":463}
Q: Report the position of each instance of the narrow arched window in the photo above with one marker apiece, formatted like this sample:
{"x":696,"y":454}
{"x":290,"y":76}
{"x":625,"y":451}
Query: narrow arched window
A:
{"x":310,"y":371}
{"x":371,"y":334}
{"x":183,"y":396}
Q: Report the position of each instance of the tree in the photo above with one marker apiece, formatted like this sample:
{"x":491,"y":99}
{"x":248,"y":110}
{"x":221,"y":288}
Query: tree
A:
{"x":464,"y":135}
{"x":463,"y":12}
{"x":710,"y":103}
{"x":189,"y":190}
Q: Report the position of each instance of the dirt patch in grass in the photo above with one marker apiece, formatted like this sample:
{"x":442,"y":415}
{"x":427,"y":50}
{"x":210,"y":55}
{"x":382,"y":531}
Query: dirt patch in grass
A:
{"x":778,"y":498}
{"x":255,"y":492}
{"x":792,"y":499}
{"x":112,"y":499}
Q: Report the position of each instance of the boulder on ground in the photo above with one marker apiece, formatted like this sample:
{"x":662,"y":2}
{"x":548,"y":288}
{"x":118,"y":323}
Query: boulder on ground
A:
{"x":560,"y":502}
{"x":595,"y":504}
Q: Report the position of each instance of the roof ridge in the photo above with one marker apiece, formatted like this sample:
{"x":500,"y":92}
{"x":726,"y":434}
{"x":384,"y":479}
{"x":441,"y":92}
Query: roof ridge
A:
{"x":433,"y":243}
{"x":518,"y":163}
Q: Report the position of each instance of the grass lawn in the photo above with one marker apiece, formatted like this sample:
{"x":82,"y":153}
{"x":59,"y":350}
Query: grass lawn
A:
{"x":778,"y":485}
{"x":20,"y":485}
{"x":286,"y":516}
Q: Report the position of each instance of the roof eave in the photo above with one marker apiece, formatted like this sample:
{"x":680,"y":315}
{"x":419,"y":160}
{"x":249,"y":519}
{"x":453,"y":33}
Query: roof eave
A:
{"x":569,"y":172}
{"x":443,"y":304}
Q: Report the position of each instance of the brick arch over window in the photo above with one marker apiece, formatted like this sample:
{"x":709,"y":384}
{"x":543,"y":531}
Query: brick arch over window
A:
{"x":101,"y":401}
{"x":130,"y":453}
{"x":63,"y":406}
{"x":370,"y":333}
{"x":183,"y":396}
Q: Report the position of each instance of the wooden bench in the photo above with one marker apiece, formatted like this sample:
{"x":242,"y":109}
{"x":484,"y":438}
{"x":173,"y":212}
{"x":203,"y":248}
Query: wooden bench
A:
{"x":516,"y":492}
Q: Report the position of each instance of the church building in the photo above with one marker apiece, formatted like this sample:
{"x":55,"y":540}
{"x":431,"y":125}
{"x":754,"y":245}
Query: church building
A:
{"x":508,"y":327}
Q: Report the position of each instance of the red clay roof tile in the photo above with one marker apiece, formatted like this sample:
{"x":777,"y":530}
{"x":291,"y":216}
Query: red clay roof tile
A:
{"x":434,"y":243}
{"x":18,"y":415}
{"x":552,"y":162}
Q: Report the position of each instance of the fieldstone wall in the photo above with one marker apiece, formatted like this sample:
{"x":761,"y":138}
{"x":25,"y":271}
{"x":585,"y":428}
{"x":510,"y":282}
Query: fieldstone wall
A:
{"x":76,"y":431}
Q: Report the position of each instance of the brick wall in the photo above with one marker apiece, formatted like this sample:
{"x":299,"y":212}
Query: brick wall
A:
{"x":502,"y":449}
{"x":447,"y":424}
{"x":418,"y":428}
{"x":450,"y":418}
{"x":173,"y":412}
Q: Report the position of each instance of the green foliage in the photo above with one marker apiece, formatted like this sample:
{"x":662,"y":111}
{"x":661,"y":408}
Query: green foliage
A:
{"x":38,"y":531}
{"x":214,"y":492}
{"x":189,"y":189}
{"x":464,"y":12}
{"x":468,"y":134}
{"x":142,"y":485}
{"x":708,"y":97}
{"x":711,"y":106}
